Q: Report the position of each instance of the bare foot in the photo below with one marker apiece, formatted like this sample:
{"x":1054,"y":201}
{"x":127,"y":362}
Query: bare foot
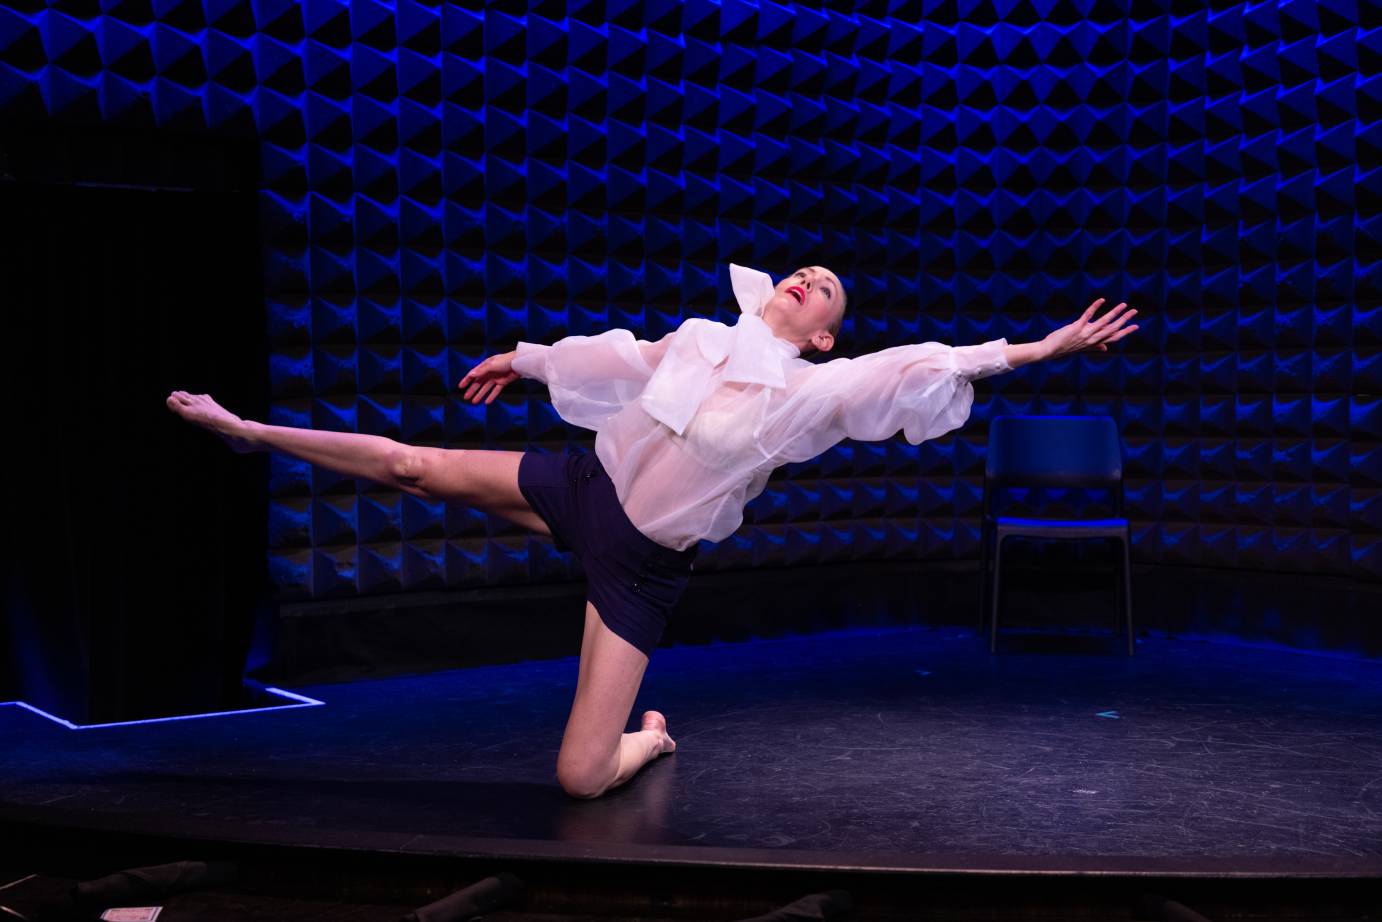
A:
{"x":201,"y":410}
{"x":652,"y":720}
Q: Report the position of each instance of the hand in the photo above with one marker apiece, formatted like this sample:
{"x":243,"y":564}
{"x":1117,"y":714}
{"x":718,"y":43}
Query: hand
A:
{"x":1086,"y":335}
{"x":489,"y":377}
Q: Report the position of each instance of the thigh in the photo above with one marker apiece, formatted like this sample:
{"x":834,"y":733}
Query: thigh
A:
{"x":484,"y":480}
{"x":607,"y":683}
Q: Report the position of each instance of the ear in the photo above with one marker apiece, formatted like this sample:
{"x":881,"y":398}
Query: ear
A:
{"x":823,"y":341}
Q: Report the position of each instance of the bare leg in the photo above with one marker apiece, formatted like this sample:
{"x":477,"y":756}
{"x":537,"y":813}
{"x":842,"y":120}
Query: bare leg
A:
{"x":485,"y":480}
{"x":348,"y":453}
{"x":596,"y":755}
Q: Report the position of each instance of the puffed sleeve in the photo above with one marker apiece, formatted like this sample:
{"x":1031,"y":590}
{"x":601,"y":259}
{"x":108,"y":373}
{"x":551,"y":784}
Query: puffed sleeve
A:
{"x":591,"y":378}
{"x":924,"y":390}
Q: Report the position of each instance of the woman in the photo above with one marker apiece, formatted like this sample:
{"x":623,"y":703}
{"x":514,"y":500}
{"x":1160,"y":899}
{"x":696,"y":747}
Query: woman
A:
{"x":689,"y":428}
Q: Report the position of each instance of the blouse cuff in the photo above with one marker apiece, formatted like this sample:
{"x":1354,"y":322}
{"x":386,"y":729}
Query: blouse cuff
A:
{"x":531,"y":361}
{"x":975,"y":362}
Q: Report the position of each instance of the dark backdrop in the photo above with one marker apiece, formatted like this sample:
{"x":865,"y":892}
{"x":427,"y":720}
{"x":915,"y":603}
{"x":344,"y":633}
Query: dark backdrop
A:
{"x":135,"y":544}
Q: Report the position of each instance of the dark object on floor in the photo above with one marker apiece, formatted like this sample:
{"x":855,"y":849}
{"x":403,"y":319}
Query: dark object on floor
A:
{"x":818,"y":907}
{"x":479,"y":898}
{"x":137,"y":885}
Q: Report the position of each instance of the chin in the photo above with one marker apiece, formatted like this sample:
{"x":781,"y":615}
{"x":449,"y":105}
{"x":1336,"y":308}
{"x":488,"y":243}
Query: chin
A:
{"x":781,"y":302}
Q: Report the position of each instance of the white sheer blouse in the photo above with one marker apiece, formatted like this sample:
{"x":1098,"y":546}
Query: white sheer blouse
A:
{"x":690,"y":427}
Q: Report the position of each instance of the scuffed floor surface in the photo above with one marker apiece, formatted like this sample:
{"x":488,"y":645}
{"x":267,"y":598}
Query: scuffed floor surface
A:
{"x":896,"y":741}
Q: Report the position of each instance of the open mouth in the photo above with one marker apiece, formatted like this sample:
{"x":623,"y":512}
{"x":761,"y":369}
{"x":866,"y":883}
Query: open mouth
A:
{"x":797,"y":293}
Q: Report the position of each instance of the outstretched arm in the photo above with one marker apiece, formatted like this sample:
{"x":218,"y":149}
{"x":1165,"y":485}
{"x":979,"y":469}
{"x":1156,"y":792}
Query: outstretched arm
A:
{"x":1084,"y":335}
{"x":924,"y":389}
{"x":614,"y":355}
{"x":589,"y":378}
{"x":611,"y":356}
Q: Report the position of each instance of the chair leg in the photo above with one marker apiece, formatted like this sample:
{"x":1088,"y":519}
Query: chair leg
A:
{"x":994,"y":598}
{"x":1127,"y":589}
{"x":1117,"y":591}
{"x":983,"y":574}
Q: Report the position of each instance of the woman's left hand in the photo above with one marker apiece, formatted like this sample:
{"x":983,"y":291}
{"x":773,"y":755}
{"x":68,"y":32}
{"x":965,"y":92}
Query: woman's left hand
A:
{"x":1088,"y":335}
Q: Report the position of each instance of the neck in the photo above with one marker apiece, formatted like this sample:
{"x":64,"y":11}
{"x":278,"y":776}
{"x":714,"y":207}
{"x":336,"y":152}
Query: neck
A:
{"x":802,"y":345}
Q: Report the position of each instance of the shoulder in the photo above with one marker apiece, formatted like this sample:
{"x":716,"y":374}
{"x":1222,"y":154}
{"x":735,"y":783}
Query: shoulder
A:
{"x":695,"y":324}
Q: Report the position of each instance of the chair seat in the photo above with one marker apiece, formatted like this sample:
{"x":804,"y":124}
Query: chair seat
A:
{"x":1061,"y":528}
{"x":1014,"y":522}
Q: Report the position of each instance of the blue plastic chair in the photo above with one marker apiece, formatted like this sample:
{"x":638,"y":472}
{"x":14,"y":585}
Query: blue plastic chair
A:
{"x":1051,"y":451}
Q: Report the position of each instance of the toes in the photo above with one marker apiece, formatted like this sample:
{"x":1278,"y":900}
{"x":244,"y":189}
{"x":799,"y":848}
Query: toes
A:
{"x":653,"y":720}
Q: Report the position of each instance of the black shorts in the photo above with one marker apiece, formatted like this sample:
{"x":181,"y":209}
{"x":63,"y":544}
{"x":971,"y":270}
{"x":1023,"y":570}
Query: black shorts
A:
{"x":633,"y":581}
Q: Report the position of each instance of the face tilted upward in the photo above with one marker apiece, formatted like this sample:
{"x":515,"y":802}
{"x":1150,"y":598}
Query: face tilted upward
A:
{"x":804,"y":308}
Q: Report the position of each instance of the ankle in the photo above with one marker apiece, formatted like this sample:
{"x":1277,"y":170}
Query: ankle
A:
{"x":248,"y":432}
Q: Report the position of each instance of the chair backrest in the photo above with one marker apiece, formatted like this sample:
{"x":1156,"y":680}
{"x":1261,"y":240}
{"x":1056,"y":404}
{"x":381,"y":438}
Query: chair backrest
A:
{"x":1054,"y":451}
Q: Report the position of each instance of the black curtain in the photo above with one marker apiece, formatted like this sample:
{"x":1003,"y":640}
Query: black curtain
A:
{"x":136,"y":544}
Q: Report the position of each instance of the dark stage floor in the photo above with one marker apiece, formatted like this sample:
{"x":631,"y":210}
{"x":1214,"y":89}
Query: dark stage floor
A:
{"x":897,"y":748}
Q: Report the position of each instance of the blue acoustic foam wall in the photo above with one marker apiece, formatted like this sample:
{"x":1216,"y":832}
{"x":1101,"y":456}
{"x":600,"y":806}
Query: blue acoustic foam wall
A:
{"x":441,"y":180}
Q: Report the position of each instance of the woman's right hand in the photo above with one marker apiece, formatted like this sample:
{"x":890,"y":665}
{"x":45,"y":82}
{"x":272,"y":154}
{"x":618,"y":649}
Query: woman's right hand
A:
{"x":489,"y":378}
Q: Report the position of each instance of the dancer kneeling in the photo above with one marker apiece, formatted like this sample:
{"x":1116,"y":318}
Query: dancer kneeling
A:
{"x":689,"y":429}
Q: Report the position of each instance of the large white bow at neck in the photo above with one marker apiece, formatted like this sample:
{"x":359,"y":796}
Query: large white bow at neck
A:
{"x":755,"y":356}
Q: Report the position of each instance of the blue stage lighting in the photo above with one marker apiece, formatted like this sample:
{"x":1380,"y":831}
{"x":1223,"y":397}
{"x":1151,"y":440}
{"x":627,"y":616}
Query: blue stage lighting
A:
{"x":302,"y":701}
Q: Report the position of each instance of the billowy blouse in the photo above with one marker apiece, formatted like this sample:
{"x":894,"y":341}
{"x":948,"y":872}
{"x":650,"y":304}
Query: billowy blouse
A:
{"x":690,"y":427}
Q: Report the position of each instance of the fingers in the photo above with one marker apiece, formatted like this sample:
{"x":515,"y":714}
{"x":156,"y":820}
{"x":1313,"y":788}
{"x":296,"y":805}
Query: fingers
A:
{"x":1112,"y":334}
{"x":478,"y":378}
{"x":477,"y":391}
{"x":484,"y":391}
{"x":1113,"y":327}
{"x":471,"y":376}
{"x":1107,"y":332}
{"x":1089,"y":312}
{"x":1104,"y":320}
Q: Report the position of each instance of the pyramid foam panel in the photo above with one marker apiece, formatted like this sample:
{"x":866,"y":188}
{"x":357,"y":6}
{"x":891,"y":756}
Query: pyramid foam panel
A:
{"x":442,"y":180}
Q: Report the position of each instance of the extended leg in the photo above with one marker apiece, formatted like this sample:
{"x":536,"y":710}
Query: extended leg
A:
{"x":596,"y":754}
{"x":485,"y":480}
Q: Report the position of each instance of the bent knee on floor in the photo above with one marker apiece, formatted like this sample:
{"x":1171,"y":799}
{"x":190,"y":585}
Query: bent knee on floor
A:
{"x":584,"y":779}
